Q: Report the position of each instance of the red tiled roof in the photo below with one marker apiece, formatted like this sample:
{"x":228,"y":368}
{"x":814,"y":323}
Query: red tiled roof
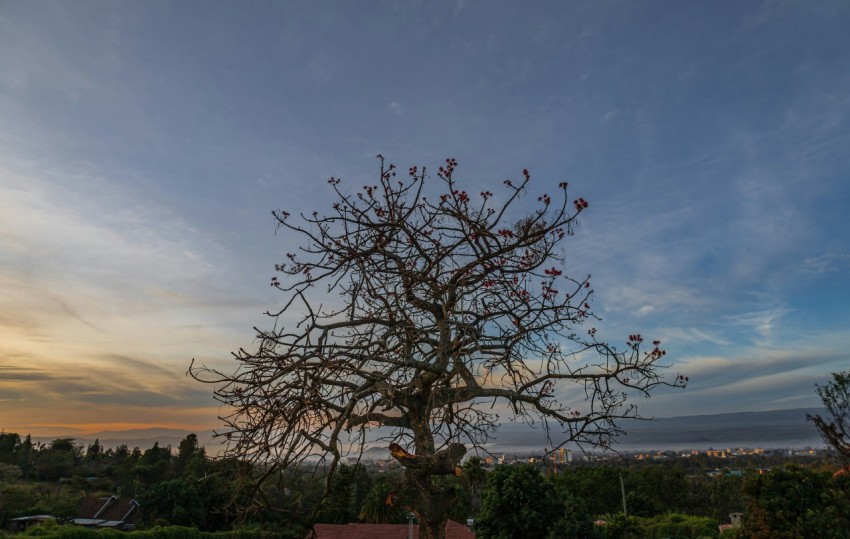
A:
{"x":454,"y":530}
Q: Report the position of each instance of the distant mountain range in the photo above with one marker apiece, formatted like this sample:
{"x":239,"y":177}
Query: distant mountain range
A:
{"x":771,"y":429}
{"x":776,"y":428}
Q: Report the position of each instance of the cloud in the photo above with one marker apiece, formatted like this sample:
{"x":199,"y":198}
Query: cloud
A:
{"x":396,"y":109}
{"x":611,"y":116}
{"x":832,"y":262}
{"x":761,"y":322}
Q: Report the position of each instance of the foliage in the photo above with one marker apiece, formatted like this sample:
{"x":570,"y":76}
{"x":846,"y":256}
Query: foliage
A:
{"x":675,"y":526}
{"x":343,"y":504}
{"x":792,"y":502}
{"x":835,"y":429}
{"x":438,"y":302}
{"x":52,"y":531}
{"x":375,"y":509}
{"x":665,"y":526}
{"x":9,"y":473}
{"x":574,"y":521}
{"x":178,"y":501}
{"x":517,"y":503}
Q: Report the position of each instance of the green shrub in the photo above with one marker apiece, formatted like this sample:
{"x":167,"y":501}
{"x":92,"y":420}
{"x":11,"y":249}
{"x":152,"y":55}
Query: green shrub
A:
{"x":678,"y":526}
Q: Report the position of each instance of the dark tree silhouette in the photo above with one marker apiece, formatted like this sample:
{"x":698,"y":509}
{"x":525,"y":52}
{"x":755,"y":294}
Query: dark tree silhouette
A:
{"x":835,"y":429}
{"x":419,"y":314}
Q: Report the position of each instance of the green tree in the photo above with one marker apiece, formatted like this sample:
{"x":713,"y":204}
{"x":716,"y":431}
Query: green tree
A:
{"x":53,"y":463}
{"x":350,"y":487}
{"x":94,"y":450}
{"x":177,"y":501}
{"x":154,"y":465}
{"x":25,"y":454}
{"x":9,"y":442}
{"x":518,"y":503}
{"x":575,"y":521}
{"x":598,"y":486}
{"x":375,"y":509}
{"x":793,"y":502}
{"x":191,"y":457}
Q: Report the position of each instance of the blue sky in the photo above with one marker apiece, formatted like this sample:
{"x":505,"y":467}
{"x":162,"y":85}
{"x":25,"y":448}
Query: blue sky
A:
{"x":144,"y":144}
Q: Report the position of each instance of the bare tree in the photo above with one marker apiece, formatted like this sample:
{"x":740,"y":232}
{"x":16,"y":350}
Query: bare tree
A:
{"x":835,"y":428}
{"x":415,"y":317}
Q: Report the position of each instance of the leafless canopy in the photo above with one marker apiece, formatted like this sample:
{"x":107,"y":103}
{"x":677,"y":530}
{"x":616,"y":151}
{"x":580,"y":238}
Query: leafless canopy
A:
{"x":428,"y":312}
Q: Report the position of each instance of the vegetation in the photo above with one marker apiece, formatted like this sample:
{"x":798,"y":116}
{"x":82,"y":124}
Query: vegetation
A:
{"x":671,"y":498}
{"x":409,"y":305}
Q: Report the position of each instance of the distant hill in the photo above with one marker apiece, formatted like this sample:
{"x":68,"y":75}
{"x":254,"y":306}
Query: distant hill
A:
{"x":771,"y":429}
{"x":775,"y":428}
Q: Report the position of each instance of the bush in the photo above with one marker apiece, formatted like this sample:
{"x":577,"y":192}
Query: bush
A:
{"x":675,"y":526}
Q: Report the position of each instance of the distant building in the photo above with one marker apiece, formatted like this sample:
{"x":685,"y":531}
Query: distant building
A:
{"x":22,"y":523}
{"x":112,"y":512}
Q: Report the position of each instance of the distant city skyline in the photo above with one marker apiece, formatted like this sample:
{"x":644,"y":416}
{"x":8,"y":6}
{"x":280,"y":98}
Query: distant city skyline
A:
{"x":144,"y":145}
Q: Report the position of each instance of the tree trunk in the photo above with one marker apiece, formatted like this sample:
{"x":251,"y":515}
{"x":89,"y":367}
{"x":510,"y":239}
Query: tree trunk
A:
{"x":433,"y":529}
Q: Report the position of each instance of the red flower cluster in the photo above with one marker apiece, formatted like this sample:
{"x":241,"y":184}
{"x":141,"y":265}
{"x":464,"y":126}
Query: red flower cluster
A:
{"x":544,"y":199}
{"x":505,"y":232}
{"x":451,"y":164}
{"x":334,"y":181}
{"x":412,"y":171}
{"x":461,"y":196}
{"x":486,"y":194}
{"x":563,"y":185}
{"x":554,"y":272}
{"x":580,"y":204}
{"x":509,"y":183}
{"x":525,"y":173}
{"x":549,"y":292}
{"x":635,"y":338}
{"x":370,"y":189}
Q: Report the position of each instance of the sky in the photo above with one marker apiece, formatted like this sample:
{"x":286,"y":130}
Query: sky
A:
{"x":143,"y":146}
